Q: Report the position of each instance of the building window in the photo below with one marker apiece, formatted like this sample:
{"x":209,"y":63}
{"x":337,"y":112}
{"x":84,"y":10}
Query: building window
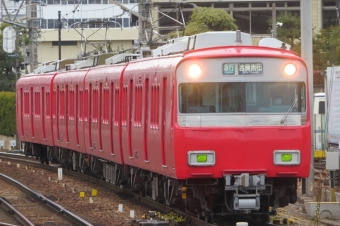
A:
{"x":51,"y":24}
{"x":241,"y":5}
{"x":293,"y":4}
{"x":126,"y":22}
{"x":259,"y":22}
{"x":329,"y":3}
{"x":242,"y":20}
{"x":221,"y":5}
{"x":64,"y":43}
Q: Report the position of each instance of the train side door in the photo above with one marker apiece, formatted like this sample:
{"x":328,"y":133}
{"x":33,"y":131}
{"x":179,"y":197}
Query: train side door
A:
{"x":163,"y":119}
{"x":146,"y":118}
{"x":43,"y":111}
{"x":32,"y":113}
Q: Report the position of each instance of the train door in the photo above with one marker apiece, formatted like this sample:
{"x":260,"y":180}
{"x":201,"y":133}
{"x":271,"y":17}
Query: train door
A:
{"x":67,"y":114}
{"x":163,"y":119}
{"x":130,"y":115}
{"x":43,"y":111}
{"x":100,"y":120}
{"x":32,"y":112}
{"x":111,"y":115}
{"x":77,"y":117}
{"x":57,"y":112}
{"x":90,"y":115}
{"x":146,"y":118}
{"x":22,"y":112}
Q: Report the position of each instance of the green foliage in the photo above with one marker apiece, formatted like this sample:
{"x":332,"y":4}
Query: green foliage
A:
{"x":209,"y":19}
{"x":7,"y":113}
{"x":326,"y":48}
{"x":290,"y":31}
{"x":8,"y":62}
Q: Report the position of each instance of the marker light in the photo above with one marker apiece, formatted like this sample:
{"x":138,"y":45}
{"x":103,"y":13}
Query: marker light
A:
{"x":194,"y":70}
{"x":201,"y":158}
{"x":289,"y":69}
{"x":287,"y":157}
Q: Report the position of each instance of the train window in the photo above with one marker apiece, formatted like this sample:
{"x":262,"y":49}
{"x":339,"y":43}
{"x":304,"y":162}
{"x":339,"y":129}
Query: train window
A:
{"x":154,"y":106}
{"x":71,"y":105}
{"x":26,"y":104}
{"x":124,"y":106}
{"x":86,"y":105}
{"x":95,"y":106}
{"x":138,"y":106}
{"x":106,"y":106}
{"x":116,"y":107}
{"x":54,"y":107}
{"x":81,"y":105}
{"x":241,"y":97}
{"x":36,"y":104}
{"x":48,"y":105}
{"x":62,"y":104}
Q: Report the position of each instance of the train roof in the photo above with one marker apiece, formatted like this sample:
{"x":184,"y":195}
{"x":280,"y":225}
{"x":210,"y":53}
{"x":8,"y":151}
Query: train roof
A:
{"x":241,"y":51}
{"x":220,"y":43}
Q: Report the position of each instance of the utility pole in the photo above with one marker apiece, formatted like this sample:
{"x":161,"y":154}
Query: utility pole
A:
{"x":59,"y":33}
{"x":33,"y":14}
{"x":307,"y":56}
{"x":274,"y":33}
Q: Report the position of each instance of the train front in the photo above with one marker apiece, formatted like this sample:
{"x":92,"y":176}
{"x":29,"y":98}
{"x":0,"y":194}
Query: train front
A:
{"x":242,"y":135}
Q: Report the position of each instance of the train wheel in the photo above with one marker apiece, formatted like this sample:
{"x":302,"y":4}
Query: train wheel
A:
{"x":208,"y":217}
{"x":26,"y":150}
{"x":265,"y":218}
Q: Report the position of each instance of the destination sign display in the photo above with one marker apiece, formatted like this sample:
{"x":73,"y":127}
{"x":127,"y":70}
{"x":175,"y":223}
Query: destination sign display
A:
{"x":243,"y":69}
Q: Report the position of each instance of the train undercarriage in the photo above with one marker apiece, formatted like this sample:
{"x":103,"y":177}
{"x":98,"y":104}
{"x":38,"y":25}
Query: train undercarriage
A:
{"x":207,"y":198}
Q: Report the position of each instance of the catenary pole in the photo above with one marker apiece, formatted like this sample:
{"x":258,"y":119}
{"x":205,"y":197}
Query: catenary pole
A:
{"x":307,"y":56}
{"x":59,"y":34}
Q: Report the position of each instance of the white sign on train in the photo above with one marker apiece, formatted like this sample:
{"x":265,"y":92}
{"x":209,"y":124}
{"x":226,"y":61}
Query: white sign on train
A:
{"x":2,"y":143}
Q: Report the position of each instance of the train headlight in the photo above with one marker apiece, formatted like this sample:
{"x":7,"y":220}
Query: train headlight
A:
{"x":201,"y":158}
{"x":290,"y":69}
{"x":286,"y":157}
{"x":194,"y":71}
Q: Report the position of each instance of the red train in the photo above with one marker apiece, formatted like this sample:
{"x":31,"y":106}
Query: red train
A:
{"x":217,"y":130}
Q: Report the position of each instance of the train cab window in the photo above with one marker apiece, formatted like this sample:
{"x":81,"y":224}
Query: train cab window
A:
{"x":246,"y":97}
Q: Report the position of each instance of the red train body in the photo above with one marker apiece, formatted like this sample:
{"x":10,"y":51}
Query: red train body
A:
{"x":232,"y":134}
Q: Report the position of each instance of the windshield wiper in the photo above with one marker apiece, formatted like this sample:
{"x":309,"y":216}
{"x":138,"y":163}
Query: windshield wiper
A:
{"x":289,"y":109}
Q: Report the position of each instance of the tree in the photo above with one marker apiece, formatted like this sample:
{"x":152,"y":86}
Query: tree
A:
{"x":290,"y":31}
{"x":326,"y":48}
{"x":7,"y":76}
{"x":8,"y":62}
{"x":209,"y":19}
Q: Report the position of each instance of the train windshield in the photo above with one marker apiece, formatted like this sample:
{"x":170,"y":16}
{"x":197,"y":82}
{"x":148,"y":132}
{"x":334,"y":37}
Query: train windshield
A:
{"x":249,"y":97}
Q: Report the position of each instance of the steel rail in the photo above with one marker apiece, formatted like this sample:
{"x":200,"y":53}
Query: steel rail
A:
{"x":18,"y":216}
{"x":52,"y":205}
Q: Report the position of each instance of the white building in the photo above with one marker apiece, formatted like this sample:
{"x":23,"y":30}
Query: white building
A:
{"x":85,"y":24}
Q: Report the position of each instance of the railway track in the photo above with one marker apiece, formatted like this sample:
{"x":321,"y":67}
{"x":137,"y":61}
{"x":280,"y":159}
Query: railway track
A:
{"x":31,"y":208}
{"x":21,"y":159}
{"x":137,"y":199}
